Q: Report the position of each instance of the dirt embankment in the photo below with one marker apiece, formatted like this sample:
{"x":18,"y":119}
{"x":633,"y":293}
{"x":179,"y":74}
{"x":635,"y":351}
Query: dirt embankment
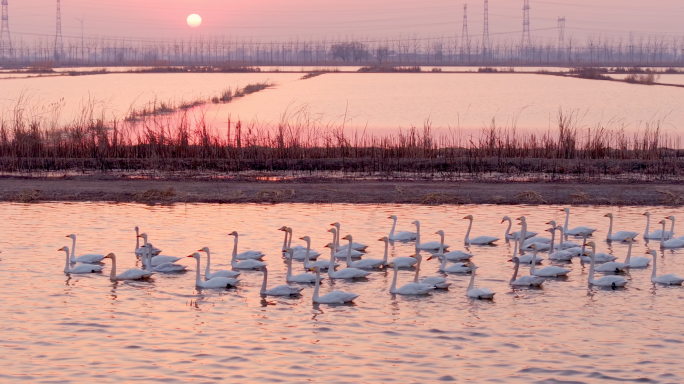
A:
{"x":33,"y":190}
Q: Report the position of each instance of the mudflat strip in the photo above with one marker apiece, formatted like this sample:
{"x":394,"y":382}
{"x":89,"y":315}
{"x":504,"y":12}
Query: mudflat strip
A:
{"x":35,"y":190}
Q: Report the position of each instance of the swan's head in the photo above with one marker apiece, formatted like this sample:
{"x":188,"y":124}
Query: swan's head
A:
{"x":333,"y":231}
{"x":515,"y":259}
{"x":521,"y":218}
{"x":263,"y":268}
{"x":662,"y":222}
{"x":315,"y":269}
{"x":234,"y":233}
{"x":416,"y":223}
{"x":533,"y":246}
{"x":671,"y":218}
{"x":305,"y":238}
{"x":393,"y":217}
{"x":590,"y":244}
{"x":143,"y":235}
{"x":72,"y":236}
{"x":608,"y":215}
{"x":559,"y":227}
{"x":553,"y":223}
{"x":469,"y":217}
{"x":136,"y":229}
{"x":385,"y":239}
{"x":414,"y":255}
{"x":647,"y":213}
{"x":550,"y":229}
{"x":628,"y":240}
{"x":348,"y":237}
{"x":472,"y":266}
{"x":566,"y":210}
{"x":205,"y":249}
{"x":440,"y":232}
{"x":329,"y":245}
{"x":336,"y":225}
{"x":505,"y":218}
{"x":289,"y":230}
{"x":283,"y":228}
{"x":195,"y":255}
{"x":652,"y":253}
{"x":64,"y":249}
{"x":110,"y":256}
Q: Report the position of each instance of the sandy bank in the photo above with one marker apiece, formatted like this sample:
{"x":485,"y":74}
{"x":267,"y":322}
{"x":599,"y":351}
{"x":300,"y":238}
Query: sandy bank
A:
{"x":33,"y":190}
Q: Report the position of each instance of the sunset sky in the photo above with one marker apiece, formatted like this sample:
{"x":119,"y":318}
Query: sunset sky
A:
{"x":271,"y":19}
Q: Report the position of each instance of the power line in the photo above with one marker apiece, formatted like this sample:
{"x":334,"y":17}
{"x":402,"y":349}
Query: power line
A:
{"x":59,"y":42}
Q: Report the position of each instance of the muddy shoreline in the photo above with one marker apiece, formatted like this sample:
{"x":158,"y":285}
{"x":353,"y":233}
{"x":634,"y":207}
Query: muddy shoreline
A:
{"x":169,"y":191}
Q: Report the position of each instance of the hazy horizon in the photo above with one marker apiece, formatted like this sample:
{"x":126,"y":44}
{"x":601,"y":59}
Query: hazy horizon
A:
{"x":268,"y":19}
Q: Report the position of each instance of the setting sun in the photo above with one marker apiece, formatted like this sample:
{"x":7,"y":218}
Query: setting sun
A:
{"x":194,"y":20}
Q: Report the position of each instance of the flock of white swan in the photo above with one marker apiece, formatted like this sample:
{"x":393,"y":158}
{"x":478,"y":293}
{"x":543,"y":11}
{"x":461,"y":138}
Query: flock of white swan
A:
{"x":357,"y":266}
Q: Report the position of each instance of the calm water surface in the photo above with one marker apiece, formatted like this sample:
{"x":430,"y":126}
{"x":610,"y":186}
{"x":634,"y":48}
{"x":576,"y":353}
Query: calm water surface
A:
{"x":85,"y":328}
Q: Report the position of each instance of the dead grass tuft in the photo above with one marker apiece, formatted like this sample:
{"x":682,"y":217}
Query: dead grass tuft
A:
{"x":27,"y":196}
{"x":530,"y":197}
{"x":275,"y":194}
{"x":670,"y":198}
{"x":442,"y":198}
{"x":155,"y":194}
{"x":581,"y":197}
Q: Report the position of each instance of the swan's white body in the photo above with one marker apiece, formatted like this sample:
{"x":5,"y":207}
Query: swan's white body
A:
{"x":658,"y":233}
{"x":161,"y":259}
{"x":410,"y":288}
{"x":561,"y":255}
{"x":619,"y":235}
{"x":245,"y":264}
{"x":435,"y":281}
{"x":322,"y":264}
{"x":605,"y":281}
{"x":355,"y":246}
{"x":577,"y":231}
{"x":161,"y":268}
{"x":305,"y":277}
{"x":550,"y":271}
{"x":453,"y":268}
{"x":335,"y":297}
{"x":515,"y":235}
{"x":139,"y":251}
{"x":480,"y":240}
{"x":365,"y":263}
{"x":670,"y":279}
{"x":342,"y":254}
{"x":88,"y":258}
{"x":599,"y":257}
{"x":281,"y":290}
{"x":208,"y":275}
{"x":400,"y":236}
{"x":540,"y":247}
{"x":524,"y":281}
{"x":672,"y":243}
{"x":81,"y":268}
{"x":430,"y":245}
{"x":477,"y":293}
{"x":536,"y":240}
{"x":404,"y":262}
{"x":217,"y":282}
{"x":131,"y":274}
{"x":453,"y":255}
{"x":636,"y":262}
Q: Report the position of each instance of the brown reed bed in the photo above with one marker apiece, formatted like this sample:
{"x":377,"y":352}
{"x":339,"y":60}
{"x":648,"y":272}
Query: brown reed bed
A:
{"x":303,"y":145}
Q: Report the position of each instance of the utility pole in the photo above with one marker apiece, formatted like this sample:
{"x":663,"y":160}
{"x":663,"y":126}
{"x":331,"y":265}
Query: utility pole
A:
{"x":485,"y":34}
{"x":561,"y":35}
{"x":526,"y":39}
{"x":59,"y":43}
{"x":464,"y":33}
{"x":5,"y":40}
{"x":82,"y":20}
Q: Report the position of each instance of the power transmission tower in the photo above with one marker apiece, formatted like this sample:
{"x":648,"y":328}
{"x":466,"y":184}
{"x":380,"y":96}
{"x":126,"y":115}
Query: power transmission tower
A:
{"x":561,"y":35}
{"x":485,"y":34}
{"x":464,"y":33}
{"x":59,"y":43}
{"x":526,"y":39}
{"x":5,"y":40}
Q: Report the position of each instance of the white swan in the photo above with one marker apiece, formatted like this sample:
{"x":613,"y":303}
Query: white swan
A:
{"x":410,"y":288}
{"x":400,"y":236}
{"x":81,"y":268}
{"x":342,"y":254}
{"x":670,"y":279}
{"x":335,"y":297}
{"x":300,"y":278}
{"x":89,"y":258}
{"x":515,"y":235}
{"x":345,"y":273}
{"x":480,"y":240}
{"x":430,"y":245}
{"x":598,"y":257}
{"x":524,"y":281}
{"x":550,"y":271}
{"x":246,"y":255}
{"x":658,"y":233}
{"x":636,"y":262}
{"x":245,"y":264}
{"x":560,"y":255}
{"x":217,"y":282}
{"x":306,"y":253}
{"x":281,"y":290}
{"x":139,"y":251}
{"x":453,"y":255}
{"x":527,"y":258}
{"x":365,"y":263}
{"x":322,"y":264}
{"x":562,"y":244}
{"x":287,"y":243}
{"x":162,"y":268}
{"x":131,"y":274}
{"x":477,"y":293}
{"x":619,"y":235}
{"x":605,"y":281}
{"x":577,"y":231}
{"x":208,"y":275}
{"x":453,"y":268}
{"x":436,"y":281}
{"x":355,"y":246}
{"x":159,"y":259}
{"x":672,"y":243}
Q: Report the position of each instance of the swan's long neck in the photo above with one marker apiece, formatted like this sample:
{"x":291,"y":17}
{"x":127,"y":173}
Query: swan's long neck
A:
{"x":289,"y":242}
{"x":393,"y":288}
{"x":144,"y":240}
{"x":66,"y":262}
{"x":420,"y":259}
{"x":73,"y":248}
{"x":553,"y":238}
{"x":591,"y":269}
{"x":197,"y":273}
{"x":394,"y":225}
{"x":207,"y":270}
{"x":263,"y":284}
{"x":610,"y":227}
{"x":508,"y":230}
{"x":655,"y":267}
{"x":523,"y":234}
{"x":533,"y":263}
{"x":417,"y":235}
{"x":146,"y":259}
{"x":672,"y":229}
{"x":306,"y":257}
{"x":467,"y":236}
{"x":285,"y":242}
{"x":562,"y":233}
{"x":289,"y":264}
{"x":331,"y":266}
{"x":112,"y":273}
{"x":444,"y":262}
{"x":629,"y":253}
{"x":384,"y":258}
{"x":515,"y":246}
{"x":472,"y":280}
{"x":567,"y":219}
{"x":137,"y":240}
{"x":349,"y":249}
{"x":584,"y":243}
{"x":515,"y":271}
{"x":648,"y":224}
{"x":234,"y":257}
{"x":662,"y":235}
{"x":441,"y":243}
{"x":318,"y":283}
